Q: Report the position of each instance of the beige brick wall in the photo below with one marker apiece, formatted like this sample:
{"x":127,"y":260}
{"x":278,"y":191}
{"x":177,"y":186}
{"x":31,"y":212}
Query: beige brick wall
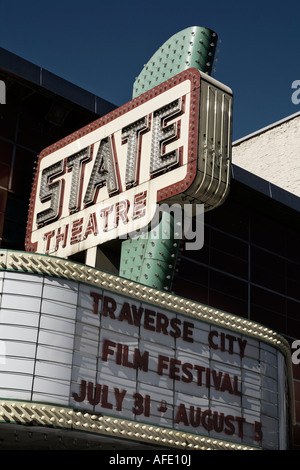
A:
{"x":273,"y":153}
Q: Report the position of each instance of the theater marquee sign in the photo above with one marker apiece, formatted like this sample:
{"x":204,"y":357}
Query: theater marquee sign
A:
{"x":171,"y":144}
{"x":116,"y":358}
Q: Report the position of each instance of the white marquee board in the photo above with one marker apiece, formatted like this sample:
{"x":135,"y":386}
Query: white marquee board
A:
{"x":78,"y":345}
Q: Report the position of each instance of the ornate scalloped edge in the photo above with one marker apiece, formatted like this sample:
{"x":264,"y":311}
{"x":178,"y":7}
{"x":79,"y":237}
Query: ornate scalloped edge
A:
{"x":28,"y":413}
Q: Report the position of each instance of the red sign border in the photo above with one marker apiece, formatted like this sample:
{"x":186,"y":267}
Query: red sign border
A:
{"x":167,"y":192}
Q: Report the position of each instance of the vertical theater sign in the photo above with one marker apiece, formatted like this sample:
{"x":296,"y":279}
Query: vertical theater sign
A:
{"x":106,"y":180}
{"x":102,"y":358}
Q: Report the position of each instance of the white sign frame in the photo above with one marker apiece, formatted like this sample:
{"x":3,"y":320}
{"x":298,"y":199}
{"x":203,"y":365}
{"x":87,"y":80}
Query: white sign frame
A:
{"x":172,"y":144}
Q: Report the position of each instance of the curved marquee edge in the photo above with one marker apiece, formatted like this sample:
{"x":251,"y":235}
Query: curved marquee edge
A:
{"x":46,"y":415}
{"x":20,"y":261}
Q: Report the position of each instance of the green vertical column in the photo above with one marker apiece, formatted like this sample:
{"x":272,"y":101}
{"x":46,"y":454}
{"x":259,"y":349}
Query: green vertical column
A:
{"x":192,"y":47}
{"x":151,"y":258}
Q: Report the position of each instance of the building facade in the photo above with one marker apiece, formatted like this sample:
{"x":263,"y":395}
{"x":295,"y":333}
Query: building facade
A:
{"x":264,"y":153}
{"x":42,"y":109}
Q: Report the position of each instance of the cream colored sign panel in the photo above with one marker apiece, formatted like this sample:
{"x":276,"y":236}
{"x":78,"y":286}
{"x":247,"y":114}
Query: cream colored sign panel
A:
{"x":105,"y":181}
{"x":104,"y":185}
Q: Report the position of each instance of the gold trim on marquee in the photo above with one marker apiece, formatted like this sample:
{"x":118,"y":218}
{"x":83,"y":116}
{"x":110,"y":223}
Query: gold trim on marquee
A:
{"x":29,"y":413}
{"x":67,"y":269}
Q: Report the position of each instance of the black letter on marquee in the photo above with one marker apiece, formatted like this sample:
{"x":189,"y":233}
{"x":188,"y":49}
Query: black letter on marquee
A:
{"x":132,"y":135}
{"x":103,"y":172}
{"x":163,"y":134}
{"x":74,"y":164}
{"x":50,"y":191}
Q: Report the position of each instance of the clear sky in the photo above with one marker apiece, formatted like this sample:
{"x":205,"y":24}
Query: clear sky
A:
{"x":103,"y":45}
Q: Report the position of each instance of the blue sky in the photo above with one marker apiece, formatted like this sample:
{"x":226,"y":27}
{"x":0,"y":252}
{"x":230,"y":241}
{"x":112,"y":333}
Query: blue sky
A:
{"x":102,"y":46}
